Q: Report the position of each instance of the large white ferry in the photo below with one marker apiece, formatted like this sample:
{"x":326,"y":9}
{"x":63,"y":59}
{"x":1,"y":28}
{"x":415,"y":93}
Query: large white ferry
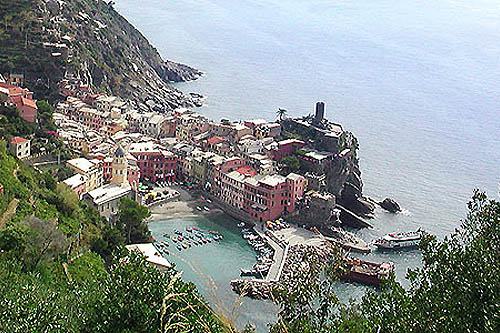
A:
{"x":399,"y":240}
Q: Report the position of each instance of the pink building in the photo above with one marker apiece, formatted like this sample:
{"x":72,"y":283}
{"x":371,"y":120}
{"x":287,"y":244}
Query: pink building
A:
{"x":154,"y":163}
{"x":23,"y":99}
{"x":262,"y":197}
{"x":271,"y":196}
{"x":287,"y":148}
{"x":107,"y":169}
{"x":27,"y":108}
{"x":77,"y":183}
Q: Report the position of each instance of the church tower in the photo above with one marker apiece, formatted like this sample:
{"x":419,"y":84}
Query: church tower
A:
{"x":119,"y":167}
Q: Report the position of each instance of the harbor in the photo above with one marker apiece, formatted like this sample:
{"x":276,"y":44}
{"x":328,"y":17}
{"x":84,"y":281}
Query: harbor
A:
{"x":216,"y":267}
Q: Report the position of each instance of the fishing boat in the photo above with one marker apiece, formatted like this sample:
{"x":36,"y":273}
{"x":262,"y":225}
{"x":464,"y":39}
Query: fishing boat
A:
{"x":166,"y":235}
{"x":196,"y":228}
{"x":178,"y":232}
{"x":366,"y":272}
{"x":185,"y":245}
{"x":179,"y":247}
{"x":241,"y":225}
{"x":399,"y":240}
{"x":174,"y":239}
{"x":189,"y":229}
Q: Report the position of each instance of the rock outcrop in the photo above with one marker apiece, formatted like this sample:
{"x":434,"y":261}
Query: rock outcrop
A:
{"x":342,"y":172}
{"x":175,"y":72}
{"x":390,"y":205}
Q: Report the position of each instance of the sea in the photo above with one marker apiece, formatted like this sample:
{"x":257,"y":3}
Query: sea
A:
{"x":417,"y":82}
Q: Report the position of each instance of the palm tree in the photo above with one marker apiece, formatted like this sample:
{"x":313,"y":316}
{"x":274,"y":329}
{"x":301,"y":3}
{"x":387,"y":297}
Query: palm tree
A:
{"x":281,"y":113}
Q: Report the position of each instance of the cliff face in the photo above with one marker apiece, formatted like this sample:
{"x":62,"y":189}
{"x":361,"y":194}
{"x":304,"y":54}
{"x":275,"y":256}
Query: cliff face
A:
{"x":103,"y":50}
{"x":342,"y":173}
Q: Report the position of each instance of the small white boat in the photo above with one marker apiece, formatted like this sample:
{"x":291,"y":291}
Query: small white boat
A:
{"x":209,"y":201}
{"x":199,"y":208}
{"x":241,"y":225}
{"x":206,"y":208}
{"x":399,"y":240}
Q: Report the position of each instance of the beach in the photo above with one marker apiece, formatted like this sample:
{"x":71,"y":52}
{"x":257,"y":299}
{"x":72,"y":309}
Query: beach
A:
{"x":183,"y":206}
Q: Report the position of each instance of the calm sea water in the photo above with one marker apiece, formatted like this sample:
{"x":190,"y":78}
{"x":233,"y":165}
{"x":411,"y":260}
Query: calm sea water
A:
{"x":418,"y":82}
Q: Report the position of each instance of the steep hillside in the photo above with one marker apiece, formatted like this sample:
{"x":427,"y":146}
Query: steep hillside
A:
{"x":91,"y":41}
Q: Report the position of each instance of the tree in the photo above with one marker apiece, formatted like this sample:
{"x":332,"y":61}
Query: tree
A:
{"x":281,"y":113}
{"x":44,"y":241}
{"x":291,"y":162}
{"x":457,"y":289}
{"x":132,"y":220}
{"x":108,"y":244}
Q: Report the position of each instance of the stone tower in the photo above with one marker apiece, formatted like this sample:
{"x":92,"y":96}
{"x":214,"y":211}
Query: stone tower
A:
{"x":319,"y":115}
{"x":119,"y":167}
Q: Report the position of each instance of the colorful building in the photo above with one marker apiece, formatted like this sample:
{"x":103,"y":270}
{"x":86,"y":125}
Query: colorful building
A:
{"x":286,"y":148}
{"x":91,"y":169}
{"x":78,"y":183}
{"x":22,"y":98}
{"x":262,"y":197}
{"x":154,"y":162}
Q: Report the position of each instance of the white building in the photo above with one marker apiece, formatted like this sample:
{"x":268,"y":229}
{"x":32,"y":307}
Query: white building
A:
{"x":106,"y":199}
{"x":91,"y":169}
{"x":20,"y":147}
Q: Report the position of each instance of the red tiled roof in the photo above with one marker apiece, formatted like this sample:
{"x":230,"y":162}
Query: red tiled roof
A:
{"x":215,"y":140}
{"x":29,"y":102}
{"x":13,"y":90}
{"x":247,"y":171}
{"x":18,"y":140}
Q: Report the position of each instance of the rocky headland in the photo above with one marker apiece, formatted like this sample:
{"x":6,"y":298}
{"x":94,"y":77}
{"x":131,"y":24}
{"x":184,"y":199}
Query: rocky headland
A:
{"x":88,"y":41}
{"x":329,"y":159}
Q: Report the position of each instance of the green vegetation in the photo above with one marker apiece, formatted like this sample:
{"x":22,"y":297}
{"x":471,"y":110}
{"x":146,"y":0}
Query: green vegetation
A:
{"x":292,"y":163}
{"x":53,"y":277}
{"x":11,"y":123}
{"x":456,"y":290}
{"x":128,"y":296}
{"x":21,"y":38}
{"x":281,"y":113}
{"x":132,"y":220}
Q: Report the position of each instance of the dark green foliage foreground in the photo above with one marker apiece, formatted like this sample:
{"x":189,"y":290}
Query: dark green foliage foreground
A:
{"x":130,"y":297}
{"x":457,"y":289}
{"x":50,"y":281}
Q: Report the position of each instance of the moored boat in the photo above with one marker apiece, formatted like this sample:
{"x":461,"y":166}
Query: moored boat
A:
{"x":366,"y":272}
{"x":399,"y":240}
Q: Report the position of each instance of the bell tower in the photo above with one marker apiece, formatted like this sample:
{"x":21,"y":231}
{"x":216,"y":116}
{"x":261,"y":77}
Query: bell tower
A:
{"x":119,"y":167}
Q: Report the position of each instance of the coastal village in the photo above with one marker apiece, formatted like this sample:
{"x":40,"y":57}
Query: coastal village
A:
{"x":241,"y":167}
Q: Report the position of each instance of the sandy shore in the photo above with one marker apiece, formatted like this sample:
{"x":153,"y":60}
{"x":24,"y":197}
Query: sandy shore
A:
{"x":183,"y":206}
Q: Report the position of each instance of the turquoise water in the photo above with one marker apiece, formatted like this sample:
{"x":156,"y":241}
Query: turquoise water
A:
{"x":418,"y":82}
{"x":213,"y":265}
